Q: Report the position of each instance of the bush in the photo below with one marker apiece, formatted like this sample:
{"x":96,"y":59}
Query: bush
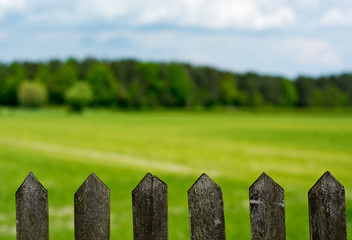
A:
{"x":32,"y":94}
{"x":79,"y":96}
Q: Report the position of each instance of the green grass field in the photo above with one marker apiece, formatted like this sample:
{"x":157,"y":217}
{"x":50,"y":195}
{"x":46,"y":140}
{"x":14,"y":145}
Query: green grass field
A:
{"x":62,"y":149}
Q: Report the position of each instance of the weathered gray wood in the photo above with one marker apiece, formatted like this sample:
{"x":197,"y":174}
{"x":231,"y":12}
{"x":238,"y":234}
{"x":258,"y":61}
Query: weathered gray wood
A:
{"x":267,"y":209}
{"x":206,"y":210}
{"x":32,"y":217}
{"x":150,"y":209}
{"x":327,"y":209}
{"x":92,"y":210}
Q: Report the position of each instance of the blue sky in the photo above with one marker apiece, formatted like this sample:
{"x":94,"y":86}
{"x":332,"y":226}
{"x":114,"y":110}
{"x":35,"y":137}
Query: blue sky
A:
{"x":287,"y":37}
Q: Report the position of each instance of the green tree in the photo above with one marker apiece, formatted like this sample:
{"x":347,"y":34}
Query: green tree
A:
{"x":250,"y":84}
{"x":155,"y":85}
{"x":230,"y":94}
{"x":180,"y":85}
{"x":123,"y":96}
{"x":79,"y":96}
{"x":10,"y":83}
{"x":104,"y":85}
{"x":271,"y":90}
{"x":344,"y":83}
{"x":44,"y":75}
{"x":127,"y":73}
{"x":137,"y":93}
{"x":32,"y":94}
{"x":306,"y":88}
{"x":62,"y":80}
{"x":228,"y":89}
{"x":207,"y":87}
{"x":30,"y":69}
{"x":329,"y":96}
{"x":3,"y":76}
{"x":289,"y":93}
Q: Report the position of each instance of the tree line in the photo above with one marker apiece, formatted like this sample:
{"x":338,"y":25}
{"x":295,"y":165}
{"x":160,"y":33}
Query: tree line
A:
{"x":132,"y":84}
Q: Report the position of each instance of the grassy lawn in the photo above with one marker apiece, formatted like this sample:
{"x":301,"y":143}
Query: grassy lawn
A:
{"x":62,"y":149}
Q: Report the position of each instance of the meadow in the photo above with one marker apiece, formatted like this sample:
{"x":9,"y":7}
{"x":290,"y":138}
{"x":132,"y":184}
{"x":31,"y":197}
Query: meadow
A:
{"x":233,"y":148}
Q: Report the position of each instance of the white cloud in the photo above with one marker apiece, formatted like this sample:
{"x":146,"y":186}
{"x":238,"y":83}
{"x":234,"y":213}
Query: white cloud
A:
{"x":214,"y":14}
{"x":242,"y":14}
{"x":106,"y":9}
{"x":311,"y":52}
{"x":337,"y":17}
{"x":7,"y":6}
{"x":72,"y":13}
{"x":308,"y":3}
{"x":218,"y":14}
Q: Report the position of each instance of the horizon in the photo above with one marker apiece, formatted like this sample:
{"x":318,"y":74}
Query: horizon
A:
{"x":292,"y":78}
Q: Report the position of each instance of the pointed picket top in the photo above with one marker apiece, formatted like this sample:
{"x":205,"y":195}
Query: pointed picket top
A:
{"x":328,"y":180}
{"x":144,"y":184}
{"x":206,"y":210}
{"x":30,"y":183}
{"x":267,"y":209}
{"x":87,"y":185}
{"x":327,"y":209}
{"x":148,"y":182}
{"x":267,"y":180}
{"x":92,"y":210}
{"x":150,"y":209}
{"x":32,"y":214}
{"x":204,"y":181}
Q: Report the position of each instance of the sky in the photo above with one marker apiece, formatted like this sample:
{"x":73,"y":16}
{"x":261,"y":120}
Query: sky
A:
{"x":281,"y":37}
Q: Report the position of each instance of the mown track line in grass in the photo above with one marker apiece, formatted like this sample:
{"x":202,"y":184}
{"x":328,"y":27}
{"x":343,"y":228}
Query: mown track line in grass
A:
{"x":101,"y":157}
{"x":148,"y":164}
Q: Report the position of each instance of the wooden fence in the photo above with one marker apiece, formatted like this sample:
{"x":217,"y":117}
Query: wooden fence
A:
{"x":327,"y":210}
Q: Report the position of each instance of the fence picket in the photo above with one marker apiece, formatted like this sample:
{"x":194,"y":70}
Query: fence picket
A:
{"x":267,"y":209}
{"x":206,"y":210}
{"x":150,"y":209}
{"x":92,"y":210}
{"x":327,"y":209}
{"x":32,"y":217}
